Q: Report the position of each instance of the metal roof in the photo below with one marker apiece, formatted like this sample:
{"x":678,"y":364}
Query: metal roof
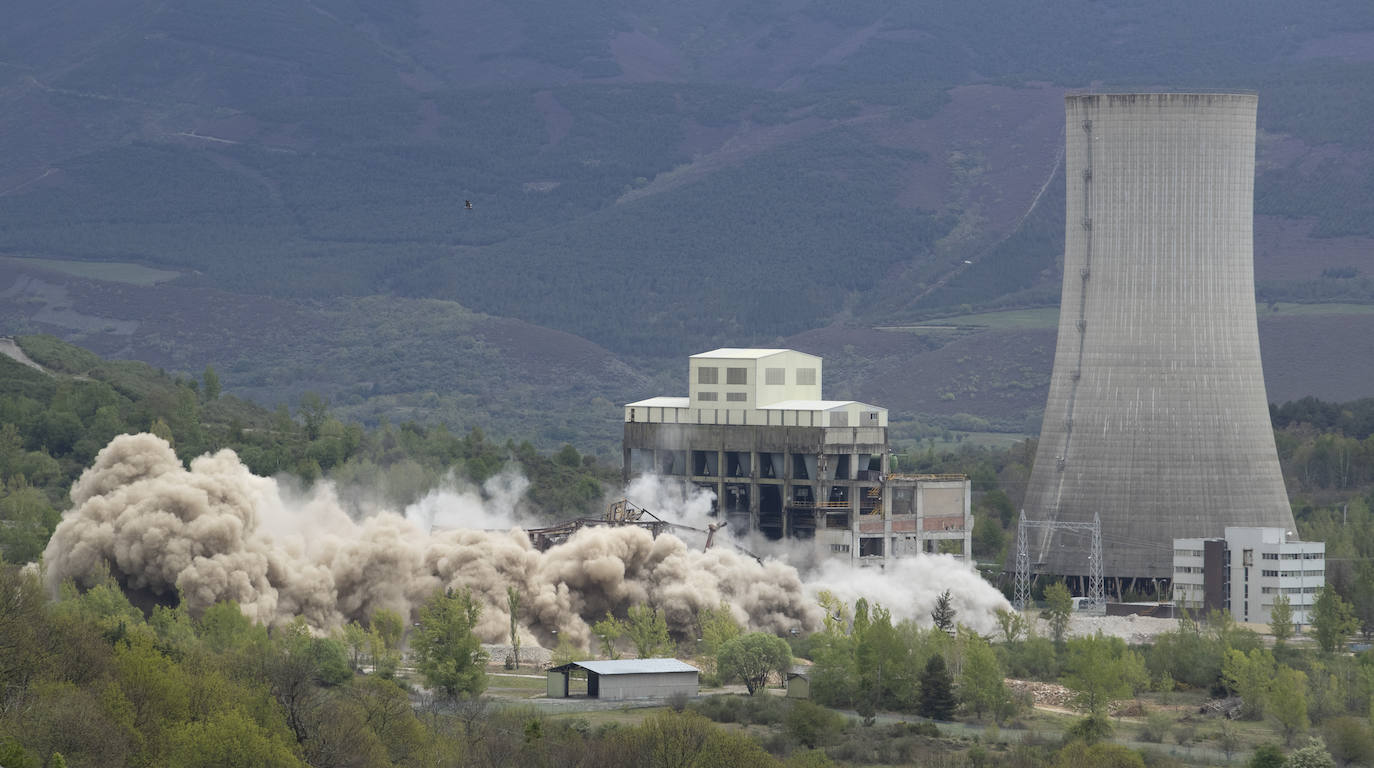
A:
{"x":814,"y":405}
{"x":629,"y":666}
{"x":662,"y":402}
{"x":739,"y":353}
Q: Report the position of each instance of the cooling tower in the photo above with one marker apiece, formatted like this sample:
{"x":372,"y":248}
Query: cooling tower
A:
{"x":1157,"y":417}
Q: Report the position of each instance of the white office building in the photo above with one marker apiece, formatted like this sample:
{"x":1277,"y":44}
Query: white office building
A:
{"x":1245,"y":570}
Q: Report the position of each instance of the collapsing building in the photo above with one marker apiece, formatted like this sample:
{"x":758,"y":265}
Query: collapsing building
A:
{"x":1157,"y":418}
{"x":785,"y":463}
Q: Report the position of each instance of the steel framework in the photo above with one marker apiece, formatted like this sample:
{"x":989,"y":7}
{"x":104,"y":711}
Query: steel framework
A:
{"x":1095,"y":597}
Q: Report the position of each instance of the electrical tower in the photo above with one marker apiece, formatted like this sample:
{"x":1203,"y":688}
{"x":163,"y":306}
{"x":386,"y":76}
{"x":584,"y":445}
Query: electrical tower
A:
{"x":1095,"y":596}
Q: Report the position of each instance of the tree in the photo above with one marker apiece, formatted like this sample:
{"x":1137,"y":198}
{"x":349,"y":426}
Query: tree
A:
{"x":1266,"y":756}
{"x":1333,"y":619}
{"x":211,"y":389}
{"x":648,"y":630}
{"x":1349,"y":740}
{"x":1012,"y":624}
{"x":937,"y":695}
{"x":1281,"y":620}
{"x":943,"y":613}
{"x":608,"y":630}
{"x":810,"y":724}
{"x":1084,"y":755}
{"x":981,"y":686}
{"x":1098,"y":672}
{"x":752,"y":657}
{"x":447,"y":653}
{"x":1059,"y":603}
{"x":1288,"y":703}
{"x":227,"y":740}
{"x":1250,"y":677}
{"x":1314,"y":755}
{"x":513,"y":604}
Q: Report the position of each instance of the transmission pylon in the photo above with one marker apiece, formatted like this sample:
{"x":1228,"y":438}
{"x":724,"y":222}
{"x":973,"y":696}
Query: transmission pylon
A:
{"x":1095,"y":597}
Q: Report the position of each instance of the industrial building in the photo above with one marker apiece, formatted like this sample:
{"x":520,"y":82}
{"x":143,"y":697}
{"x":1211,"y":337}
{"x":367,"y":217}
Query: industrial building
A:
{"x":621,"y":679}
{"x":786,"y":463}
{"x":1246,"y":569}
{"x":1156,"y":417}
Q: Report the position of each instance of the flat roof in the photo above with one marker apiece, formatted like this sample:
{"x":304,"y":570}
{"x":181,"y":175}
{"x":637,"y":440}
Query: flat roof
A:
{"x":738,"y":353}
{"x":662,"y":402}
{"x":629,"y":666}
{"x":814,"y":405}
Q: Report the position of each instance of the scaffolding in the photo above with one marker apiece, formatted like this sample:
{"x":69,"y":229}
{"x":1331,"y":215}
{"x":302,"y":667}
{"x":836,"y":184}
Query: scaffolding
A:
{"x":1095,"y":597}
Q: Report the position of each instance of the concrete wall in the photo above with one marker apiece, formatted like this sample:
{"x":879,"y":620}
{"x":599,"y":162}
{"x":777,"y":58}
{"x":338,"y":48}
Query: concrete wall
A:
{"x":646,"y":686}
{"x":1157,"y":416}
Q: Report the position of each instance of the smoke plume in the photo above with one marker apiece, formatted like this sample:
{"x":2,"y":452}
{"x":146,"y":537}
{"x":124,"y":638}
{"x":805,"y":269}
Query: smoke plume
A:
{"x":217,"y":532}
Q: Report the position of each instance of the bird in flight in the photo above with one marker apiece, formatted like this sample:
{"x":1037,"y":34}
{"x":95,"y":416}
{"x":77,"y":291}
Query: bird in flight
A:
{"x":467,"y":204}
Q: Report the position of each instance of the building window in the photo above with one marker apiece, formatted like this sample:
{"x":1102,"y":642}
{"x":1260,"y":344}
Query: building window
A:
{"x":736,"y":397}
{"x":711,"y":396}
{"x":736,"y":375}
{"x":1270,"y":556}
{"x":708,"y":375}
{"x":775,"y":377}
{"x":806,"y":377}
{"x":841,"y":548}
{"x":1271,"y":573}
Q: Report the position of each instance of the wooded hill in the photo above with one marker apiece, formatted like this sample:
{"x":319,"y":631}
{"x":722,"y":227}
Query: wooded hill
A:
{"x":654,"y":178}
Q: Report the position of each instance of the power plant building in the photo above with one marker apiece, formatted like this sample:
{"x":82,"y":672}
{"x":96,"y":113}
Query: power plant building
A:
{"x":786,"y":463}
{"x":1157,"y":418}
{"x":1245,"y":570}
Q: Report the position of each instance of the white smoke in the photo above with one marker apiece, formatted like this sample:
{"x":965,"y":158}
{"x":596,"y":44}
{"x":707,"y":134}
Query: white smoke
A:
{"x":217,"y":532}
{"x":458,"y":505}
{"x":909,"y":587}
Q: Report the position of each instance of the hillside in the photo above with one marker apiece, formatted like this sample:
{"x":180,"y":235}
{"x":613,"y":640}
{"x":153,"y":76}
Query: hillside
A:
{"x":647,"y":180}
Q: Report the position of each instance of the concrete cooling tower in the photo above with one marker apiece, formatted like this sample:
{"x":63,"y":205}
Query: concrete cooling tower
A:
{"x":1157,"y":418}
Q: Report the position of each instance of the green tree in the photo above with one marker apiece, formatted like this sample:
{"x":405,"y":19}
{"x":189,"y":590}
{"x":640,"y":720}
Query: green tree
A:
{"x":227,"y":740}
{"x":359,"y":643}
{"x":811,"y":725}
{"x":937,"y":694}
{"x":609,"y":630}
{"x":752,"y":658}
{"x":447,"y":653}
{"x":1314,"y":755}
{"x":1059,"y":603}
{"x":1250,"y":676}
{"x":943,"y":613}
{"x":648,"y":630}
{"x":981,"y":686}
{"x":1012,"y":624}
{"x":1098,"y":672}
{"x":211,"y":388}
{"x":1333,"y":619}
{"x":1287,"y":705}
{"x":1266,"y":756}
{"x":1281,"y":620}
{"x":1349,"y":740}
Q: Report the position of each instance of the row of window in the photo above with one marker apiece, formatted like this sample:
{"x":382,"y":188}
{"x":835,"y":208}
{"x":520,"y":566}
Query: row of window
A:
{"x":775,"y":377}
{"x":733,"y":397}
{"x":1188,"y":553}
{"x":1293,"y":555}
{"x":1187,"y":569}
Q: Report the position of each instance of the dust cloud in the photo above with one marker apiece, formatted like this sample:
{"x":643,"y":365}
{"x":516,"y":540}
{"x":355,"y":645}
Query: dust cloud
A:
{"x":217,"y":532}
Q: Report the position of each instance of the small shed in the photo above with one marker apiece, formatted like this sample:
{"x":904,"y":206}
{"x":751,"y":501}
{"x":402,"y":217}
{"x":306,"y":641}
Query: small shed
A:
{"x":621,"y":679}
{"x":799,"y":683}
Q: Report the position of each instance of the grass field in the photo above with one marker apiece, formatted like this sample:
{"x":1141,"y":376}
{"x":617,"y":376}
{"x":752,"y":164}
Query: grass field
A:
{"x":106,"y":271}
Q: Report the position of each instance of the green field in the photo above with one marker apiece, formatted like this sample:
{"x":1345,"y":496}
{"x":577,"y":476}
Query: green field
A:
{"x":106,"y":271}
